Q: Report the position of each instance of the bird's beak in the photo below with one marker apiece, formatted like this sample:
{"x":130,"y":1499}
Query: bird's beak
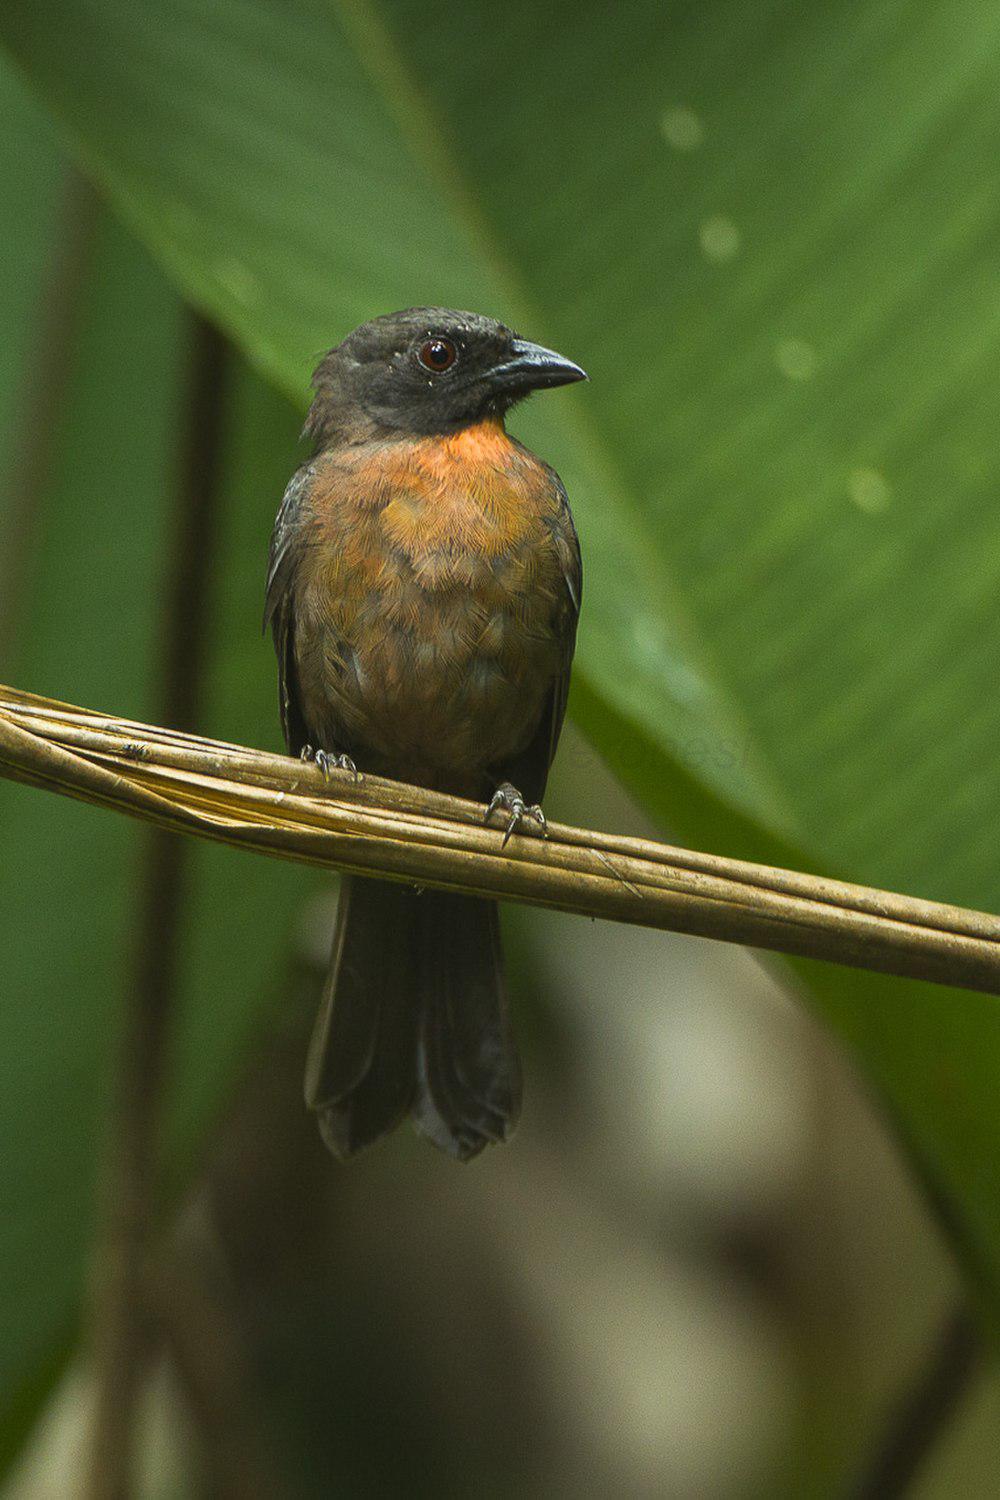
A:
{"x":533,"y":368}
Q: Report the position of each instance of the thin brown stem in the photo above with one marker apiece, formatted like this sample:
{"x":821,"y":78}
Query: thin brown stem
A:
{"x":121,"y":1310}
{"x":284,"y":808}
{"x":43,"y":393}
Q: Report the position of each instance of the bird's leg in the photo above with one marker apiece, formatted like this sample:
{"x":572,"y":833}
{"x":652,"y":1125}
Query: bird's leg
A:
{"x":507,"y":799}
{"x":326,"y":760}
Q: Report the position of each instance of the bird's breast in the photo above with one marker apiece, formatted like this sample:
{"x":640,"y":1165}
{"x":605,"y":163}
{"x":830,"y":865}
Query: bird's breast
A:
{"x":430,"y":593}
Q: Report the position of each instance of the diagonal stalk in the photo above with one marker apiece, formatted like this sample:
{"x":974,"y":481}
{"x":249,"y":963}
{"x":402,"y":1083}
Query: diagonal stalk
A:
{"x":276,"y":806}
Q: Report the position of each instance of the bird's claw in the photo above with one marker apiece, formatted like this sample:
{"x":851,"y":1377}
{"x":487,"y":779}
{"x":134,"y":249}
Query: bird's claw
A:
{"x":327,"y":761}
{"x":507,"y":799}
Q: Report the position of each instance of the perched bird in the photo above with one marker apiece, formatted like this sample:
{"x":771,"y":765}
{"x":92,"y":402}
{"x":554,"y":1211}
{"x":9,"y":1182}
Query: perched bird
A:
{"x":423,"y":591}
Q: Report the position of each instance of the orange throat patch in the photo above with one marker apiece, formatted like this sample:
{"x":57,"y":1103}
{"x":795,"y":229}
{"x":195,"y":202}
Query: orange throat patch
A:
{"x":473,"y":490}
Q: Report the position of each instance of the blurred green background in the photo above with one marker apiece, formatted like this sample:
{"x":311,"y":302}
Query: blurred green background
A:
{"x":770,"y":233}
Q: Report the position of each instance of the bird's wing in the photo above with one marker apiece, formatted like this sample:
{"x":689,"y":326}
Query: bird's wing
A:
{"x":529,"y":770}
{"x":286,"y":546}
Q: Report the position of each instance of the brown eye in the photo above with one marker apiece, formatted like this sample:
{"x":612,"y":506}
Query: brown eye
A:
{"x":438,"y":354}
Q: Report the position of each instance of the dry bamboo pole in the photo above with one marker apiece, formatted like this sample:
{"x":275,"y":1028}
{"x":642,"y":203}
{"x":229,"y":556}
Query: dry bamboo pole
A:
{"x":282,"y":807}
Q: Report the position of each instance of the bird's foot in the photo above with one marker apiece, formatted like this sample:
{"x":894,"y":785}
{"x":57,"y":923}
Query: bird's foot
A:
{"x":326,"y":761}
{"x":507,"y":799}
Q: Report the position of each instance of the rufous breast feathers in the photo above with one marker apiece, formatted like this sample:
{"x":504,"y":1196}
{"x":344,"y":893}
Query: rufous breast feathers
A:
{"x":435,"y":584}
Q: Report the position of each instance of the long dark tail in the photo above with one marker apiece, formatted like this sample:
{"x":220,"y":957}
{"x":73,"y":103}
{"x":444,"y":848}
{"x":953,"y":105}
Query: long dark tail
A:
{"x":414,"y":1018}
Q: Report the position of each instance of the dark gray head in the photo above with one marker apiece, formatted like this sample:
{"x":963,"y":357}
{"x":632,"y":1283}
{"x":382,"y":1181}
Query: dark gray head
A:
{"x":427,"y":370}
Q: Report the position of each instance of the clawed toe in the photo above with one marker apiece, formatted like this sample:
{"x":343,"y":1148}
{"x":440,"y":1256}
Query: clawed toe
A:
{"x":328,"y":761}
{"x":507,"y":799}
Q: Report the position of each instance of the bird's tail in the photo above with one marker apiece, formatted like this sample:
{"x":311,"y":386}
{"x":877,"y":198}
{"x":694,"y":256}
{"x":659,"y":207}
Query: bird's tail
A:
{"x":414,"y":1018}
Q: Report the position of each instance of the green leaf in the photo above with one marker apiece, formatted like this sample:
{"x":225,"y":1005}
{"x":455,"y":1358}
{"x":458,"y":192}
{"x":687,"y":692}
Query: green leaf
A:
{"x":769,"y":233}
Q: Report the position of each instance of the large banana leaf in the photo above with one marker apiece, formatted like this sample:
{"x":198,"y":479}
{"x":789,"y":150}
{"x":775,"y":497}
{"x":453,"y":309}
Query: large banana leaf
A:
{"x":770,"y":232}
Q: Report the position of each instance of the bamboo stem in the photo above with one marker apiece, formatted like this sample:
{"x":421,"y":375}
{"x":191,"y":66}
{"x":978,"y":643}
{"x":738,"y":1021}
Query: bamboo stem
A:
{"x":283,"y":808}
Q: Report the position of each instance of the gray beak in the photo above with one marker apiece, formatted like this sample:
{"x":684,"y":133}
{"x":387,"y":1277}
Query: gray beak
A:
{"x":534,"y":368}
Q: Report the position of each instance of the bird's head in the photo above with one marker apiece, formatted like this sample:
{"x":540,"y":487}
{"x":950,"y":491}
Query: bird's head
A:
{"x":427,"y":370}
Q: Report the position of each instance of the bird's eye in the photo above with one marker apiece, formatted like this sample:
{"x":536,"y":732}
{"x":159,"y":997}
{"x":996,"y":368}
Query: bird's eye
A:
{"x":438,"y":354}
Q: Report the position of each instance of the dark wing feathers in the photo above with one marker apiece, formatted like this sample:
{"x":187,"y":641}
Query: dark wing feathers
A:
{"x":278,"y":605}
{"x":288,"y":542}
{"x":529,"y":770}
{"x":283,"y":555}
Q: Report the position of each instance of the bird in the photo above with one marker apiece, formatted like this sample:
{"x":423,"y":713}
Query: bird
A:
{"x":423,"y":589}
